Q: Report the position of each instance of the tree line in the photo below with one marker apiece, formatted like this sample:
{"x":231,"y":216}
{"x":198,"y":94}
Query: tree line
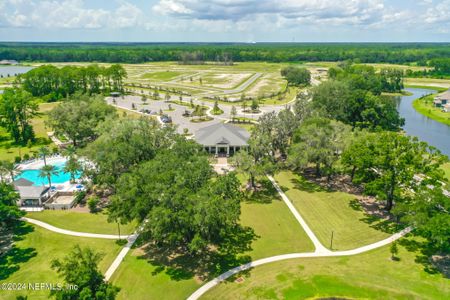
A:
{"x":404,"y":53}
{"x":54,"y":83}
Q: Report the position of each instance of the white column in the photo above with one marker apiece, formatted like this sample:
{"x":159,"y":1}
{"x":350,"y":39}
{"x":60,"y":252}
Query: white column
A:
{"x":228,"y":150}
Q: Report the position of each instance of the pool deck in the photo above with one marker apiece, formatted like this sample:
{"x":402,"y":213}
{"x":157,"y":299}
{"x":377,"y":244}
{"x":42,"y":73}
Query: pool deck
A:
{"x":39,"y":163}
{"x":51,"y":160}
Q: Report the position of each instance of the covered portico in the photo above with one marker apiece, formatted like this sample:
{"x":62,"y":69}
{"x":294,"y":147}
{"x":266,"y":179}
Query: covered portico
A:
{"x":222,"y":139}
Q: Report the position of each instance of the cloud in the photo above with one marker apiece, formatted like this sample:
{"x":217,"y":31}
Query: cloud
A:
{"x":67,"y":14}
{"x":338,"y":11}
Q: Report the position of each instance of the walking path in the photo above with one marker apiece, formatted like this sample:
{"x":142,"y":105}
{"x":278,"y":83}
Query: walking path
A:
{"x":202,"y":290}
{"x":74,"y":233}
{"x":116,"y":263}
{"x":317,"y":244}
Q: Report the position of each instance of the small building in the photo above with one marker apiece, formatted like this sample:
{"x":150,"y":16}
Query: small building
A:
{"x":442,"y":99}
{"x":32,"y":196}
{"x":222,"y":138}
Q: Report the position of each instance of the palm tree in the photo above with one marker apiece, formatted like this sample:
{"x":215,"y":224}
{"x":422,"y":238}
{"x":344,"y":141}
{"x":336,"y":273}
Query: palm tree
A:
{"x":48,"y":171}
{"x":44,"y":152}
{"x":73,"y":167}
{"x":69,"y":151}
{"x":11,"y":168}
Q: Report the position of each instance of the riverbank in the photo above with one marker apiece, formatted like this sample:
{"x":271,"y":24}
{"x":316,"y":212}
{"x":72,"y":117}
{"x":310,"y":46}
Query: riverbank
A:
{"x":425,"y":107}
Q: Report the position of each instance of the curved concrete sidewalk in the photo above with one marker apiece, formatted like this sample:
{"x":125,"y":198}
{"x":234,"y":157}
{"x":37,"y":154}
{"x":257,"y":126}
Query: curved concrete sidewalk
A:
{"x":317,"y":244}
{"x":74,"y":233}
{"x":202,"y":290}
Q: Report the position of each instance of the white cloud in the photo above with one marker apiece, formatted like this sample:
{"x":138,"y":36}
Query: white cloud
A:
{"x":69,"y":14}
{"x":338,"y":11}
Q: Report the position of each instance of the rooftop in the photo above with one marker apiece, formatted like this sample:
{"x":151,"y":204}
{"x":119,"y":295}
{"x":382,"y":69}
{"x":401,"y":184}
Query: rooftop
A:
{"x":222,"y":133}
{"x":444,"y":96}
{"x":31,"y":192}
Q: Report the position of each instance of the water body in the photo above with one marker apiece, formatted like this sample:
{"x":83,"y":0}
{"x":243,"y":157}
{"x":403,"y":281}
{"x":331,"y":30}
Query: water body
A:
{"x":13,"y":70}
{"x":416,"y":124}
{"x":8,"y":71}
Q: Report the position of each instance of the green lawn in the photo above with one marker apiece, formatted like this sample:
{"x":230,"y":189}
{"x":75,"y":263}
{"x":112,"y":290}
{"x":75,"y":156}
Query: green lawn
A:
{"x":140,"y":279}
{"x":426,"y":108}
{"x":277,"y":229}
{"x":331,"y":211}
{"x":81,"y":221}
{"x":31,"y":262}
{"x":370,"y":275}
{"x":163,"y":76}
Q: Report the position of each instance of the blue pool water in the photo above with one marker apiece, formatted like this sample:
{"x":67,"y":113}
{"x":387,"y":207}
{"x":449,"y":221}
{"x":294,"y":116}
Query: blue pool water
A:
{"x":33,"y":176}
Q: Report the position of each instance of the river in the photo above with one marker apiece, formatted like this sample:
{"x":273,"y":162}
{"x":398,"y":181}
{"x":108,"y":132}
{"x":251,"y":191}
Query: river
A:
{"x":416,"y":124}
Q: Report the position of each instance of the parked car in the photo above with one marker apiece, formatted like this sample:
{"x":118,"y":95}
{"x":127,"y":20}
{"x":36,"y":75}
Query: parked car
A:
{"x":166,"y":119}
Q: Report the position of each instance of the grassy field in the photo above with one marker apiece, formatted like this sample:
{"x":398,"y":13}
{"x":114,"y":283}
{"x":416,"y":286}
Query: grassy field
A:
{"x":162,"y":76}
{"x":446,"y":169}
{"x":327,"y":212}
{"x":30,"y":262}
{"x":426,"y":108}
{"x":442,"y":83}
{"x":9,"y":150}
{"x":140,"y":279}
{"x":277,"y":229}
{"x":81,"y":221}
{"x":371,"y":275}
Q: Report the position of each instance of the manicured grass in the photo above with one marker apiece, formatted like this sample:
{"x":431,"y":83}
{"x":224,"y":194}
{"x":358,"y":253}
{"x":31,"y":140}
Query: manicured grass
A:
{"x":32,"y":260}
{"x":427,"y":87}
{"x":370,"y":275}
{"x":163,"y":76}
{"x":442,"y":83}
{"x":425,"y":107}
{"x":327,"y":212}
{"x":140,"y":279}
{"x":9,"y":150}
{"x":81,"y":221}
{"x":277,"y":230}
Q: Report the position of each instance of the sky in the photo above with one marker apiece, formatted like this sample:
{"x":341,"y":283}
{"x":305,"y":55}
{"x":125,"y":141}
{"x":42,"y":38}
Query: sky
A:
{"x":225,"y":20}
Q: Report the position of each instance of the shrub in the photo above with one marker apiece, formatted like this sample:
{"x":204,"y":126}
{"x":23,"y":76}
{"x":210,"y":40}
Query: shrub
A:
{"x":92,"y":203}
{"x":79,"y":196}
{"x":17,"y":159}
{"x":26,"y":156}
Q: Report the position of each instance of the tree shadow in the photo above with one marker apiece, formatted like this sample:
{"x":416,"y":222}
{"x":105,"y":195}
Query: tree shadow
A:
{"x":375,"y":216}
{"x":11,"y":260}
{"x":428,"y":256}
{"x":265,"y":193}
{"x":303,"y":184}
{"x":179,"y":265}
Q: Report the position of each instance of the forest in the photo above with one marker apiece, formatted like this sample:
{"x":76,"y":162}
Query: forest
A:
{"x":405,"y":53}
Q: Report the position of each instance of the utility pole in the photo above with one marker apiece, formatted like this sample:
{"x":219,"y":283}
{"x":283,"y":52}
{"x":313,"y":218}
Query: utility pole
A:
{"x":331,"y":243}
{"x":118,"y":228}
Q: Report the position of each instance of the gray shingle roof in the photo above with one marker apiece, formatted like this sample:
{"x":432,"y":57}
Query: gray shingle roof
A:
{"x":31,"y":192}
{"x":222,"y":133}
{"x":22,"y":182}
{"x":444,"y":95}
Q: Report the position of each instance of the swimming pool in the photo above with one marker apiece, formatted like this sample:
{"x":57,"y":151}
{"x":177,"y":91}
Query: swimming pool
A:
{"x":33,"y":175}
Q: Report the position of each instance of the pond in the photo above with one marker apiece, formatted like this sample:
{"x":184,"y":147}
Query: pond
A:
{"x":13,"y":70}
{"x":416,"y":124}
{"x":8,"y":71}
